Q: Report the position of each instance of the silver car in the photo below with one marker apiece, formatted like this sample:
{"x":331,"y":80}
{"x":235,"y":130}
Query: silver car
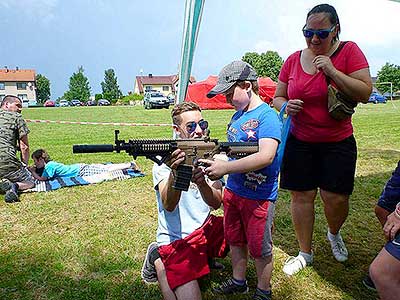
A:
{"x":64,"y":103}
{"x":155,"y":100}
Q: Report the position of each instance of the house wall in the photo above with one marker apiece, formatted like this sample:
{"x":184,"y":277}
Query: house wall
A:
{"x":136,"y":88}
{"x":165,"y":89}
{"x":28,"y":95}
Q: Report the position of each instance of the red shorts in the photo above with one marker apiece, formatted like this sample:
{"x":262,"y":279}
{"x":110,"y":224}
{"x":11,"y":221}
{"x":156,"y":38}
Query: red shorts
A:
{"x":248,"y":222}
{"x":187,"y":259}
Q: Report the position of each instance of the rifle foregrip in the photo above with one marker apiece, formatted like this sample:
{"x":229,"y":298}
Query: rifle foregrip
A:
{"x":92,"y":148}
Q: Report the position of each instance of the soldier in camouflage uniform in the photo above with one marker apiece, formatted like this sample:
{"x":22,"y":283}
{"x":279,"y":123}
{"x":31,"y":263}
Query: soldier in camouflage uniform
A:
{"x":14,"y":174}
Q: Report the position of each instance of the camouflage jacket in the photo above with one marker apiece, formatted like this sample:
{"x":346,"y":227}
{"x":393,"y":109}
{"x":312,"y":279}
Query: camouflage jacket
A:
{"x":12,"y":128}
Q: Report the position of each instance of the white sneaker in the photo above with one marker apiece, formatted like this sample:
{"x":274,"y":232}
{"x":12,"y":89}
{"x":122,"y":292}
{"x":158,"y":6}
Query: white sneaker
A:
{"x":295,"y":264}
{"x":339,"y":250}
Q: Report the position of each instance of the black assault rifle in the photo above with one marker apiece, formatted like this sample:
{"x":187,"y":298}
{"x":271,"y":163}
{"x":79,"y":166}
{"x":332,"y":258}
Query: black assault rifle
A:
{"x":160,"y":151}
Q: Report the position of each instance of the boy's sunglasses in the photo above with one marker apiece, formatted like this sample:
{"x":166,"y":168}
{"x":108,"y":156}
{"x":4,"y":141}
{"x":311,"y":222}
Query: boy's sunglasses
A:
{"x":321,"y":33}
{"x":191,"y":126}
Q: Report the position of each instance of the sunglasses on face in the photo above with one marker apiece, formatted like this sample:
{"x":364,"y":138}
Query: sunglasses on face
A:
{"x":191,"y":126}
{"x":321,"y":33}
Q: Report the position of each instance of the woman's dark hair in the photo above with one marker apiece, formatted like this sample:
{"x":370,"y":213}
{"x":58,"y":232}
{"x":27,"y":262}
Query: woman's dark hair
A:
{"x":330,"y":11}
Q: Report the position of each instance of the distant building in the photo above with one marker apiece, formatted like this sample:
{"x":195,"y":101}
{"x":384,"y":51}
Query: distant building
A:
{"x":165,"y":84}
{"x":19,"y":83}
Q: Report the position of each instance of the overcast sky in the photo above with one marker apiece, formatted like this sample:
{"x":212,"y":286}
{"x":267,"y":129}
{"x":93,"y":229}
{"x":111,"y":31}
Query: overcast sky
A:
{"x":55,"y":37}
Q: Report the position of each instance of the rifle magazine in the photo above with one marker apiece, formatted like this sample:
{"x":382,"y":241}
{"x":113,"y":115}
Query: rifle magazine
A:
{"x":182,"y":178}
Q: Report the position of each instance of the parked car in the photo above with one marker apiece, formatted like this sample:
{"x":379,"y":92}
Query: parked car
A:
{"x":376,"y":98}
{"x":91,"y":103}
{"x":64,"y":103}
{"x":171,"y":99}
{"x":49,"y":103}
{"x":102,"y":102}
{"x":76,"y":102}
{"x":155,"y":100}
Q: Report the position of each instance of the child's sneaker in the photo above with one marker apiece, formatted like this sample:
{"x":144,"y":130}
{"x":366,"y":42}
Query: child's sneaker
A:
{"x":339,"y":250}
{"x":368,"y":283}
{"x":259,"y":295}
{"x":229,"y":287}
{"x":295,"y":264}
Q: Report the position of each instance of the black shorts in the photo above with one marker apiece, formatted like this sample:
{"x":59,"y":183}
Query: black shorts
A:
{"x":329,"y":166}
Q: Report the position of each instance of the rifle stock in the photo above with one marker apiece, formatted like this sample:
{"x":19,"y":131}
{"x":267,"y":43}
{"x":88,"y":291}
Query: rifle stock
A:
{"x":160,"y":151}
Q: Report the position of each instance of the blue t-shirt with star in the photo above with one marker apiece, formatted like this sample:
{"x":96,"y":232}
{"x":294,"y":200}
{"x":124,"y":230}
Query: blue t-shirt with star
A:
{"x":251,"y":126}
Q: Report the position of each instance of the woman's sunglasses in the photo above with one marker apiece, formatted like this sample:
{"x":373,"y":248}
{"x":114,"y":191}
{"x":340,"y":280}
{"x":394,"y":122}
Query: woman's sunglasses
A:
{"x":321,"y":33}
{"x":191,"y":126}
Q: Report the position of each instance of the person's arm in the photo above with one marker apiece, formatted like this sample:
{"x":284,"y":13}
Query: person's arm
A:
{"x":293,"y":105}
{"x":357,"y":85}
{"x":264,"y":157}
{"x":36,"y":175}
{"x":392,"y":225}
{"x":24,"y":147}
{"x":211,"y":192}
{"x":170,"y":196}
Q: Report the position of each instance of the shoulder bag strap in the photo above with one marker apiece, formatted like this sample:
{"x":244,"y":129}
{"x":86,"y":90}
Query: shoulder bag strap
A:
{"x":340,"y":47}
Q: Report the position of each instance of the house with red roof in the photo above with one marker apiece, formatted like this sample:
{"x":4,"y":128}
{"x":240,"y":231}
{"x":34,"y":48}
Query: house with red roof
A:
{"x":20,"y":83}
{"x":166,"y":84}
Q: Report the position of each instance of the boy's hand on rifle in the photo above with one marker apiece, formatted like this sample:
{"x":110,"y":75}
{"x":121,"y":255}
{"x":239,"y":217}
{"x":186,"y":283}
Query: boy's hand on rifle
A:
{"x":177,"y":157}
{"x":215,"y":169}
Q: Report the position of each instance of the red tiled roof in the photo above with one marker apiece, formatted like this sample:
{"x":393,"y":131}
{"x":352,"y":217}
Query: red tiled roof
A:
{"x":17,"y":75}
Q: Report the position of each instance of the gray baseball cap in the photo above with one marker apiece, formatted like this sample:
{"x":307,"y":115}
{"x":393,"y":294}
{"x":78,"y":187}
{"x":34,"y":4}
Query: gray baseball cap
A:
{"x":230,"y":74}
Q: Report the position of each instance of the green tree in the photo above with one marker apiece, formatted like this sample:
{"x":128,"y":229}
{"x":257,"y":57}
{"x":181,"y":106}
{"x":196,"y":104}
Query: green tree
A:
{"x":98,"y":96}
{"x":266,"y":64}
{"x":388,"y":73}
{"x":110,"y":86}
{"x":79,"y":87}
{"x":42,"y":88}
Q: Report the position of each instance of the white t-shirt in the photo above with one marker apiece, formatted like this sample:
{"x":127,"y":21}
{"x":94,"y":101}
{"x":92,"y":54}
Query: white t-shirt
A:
{"x":188,"y":215}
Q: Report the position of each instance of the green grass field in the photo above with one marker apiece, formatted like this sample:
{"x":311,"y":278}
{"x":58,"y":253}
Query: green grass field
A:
{"x":89,"y":242}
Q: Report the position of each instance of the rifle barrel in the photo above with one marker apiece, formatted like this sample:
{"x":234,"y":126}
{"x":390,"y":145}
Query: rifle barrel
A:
{"x":92,"y":148}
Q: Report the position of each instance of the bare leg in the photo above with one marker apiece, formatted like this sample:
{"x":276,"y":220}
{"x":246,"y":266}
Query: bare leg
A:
{"x":336,"y":207}
{"x":114,"y":167}
{"x":384,"y":271}
{"x":24,"y":185}
{"x":381,"y":214}
{"x":302,"y":207}
{"x":188,"y":291}
{"x":168,"y":294}
{"x":264,"y":268}
{"x":239,"y":261}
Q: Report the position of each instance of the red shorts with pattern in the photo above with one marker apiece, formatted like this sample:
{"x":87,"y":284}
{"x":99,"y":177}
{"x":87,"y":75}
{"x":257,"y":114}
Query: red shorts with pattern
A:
{"x":187,"y":259}
{"x":248,"y":222}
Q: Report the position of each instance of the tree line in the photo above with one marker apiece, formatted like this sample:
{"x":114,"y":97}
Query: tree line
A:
{"x":79,"y":87}
{"x":266,"y":64}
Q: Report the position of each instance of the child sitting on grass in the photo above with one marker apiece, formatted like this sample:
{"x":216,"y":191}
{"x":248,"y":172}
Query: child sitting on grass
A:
{"x":45,"y":168}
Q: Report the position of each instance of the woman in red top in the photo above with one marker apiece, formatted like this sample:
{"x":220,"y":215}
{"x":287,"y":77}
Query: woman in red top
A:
{"x":320,"y":152}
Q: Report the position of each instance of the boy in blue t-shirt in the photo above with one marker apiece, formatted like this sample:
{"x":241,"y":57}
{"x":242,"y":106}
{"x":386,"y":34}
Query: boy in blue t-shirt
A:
{"x":252,"y":183}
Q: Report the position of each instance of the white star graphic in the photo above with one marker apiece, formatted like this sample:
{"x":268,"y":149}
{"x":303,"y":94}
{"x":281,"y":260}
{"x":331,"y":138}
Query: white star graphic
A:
{"x":250,"y":134}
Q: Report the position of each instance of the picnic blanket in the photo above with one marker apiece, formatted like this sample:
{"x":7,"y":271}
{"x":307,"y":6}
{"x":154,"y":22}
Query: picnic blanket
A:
{"x":60,"y":182}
